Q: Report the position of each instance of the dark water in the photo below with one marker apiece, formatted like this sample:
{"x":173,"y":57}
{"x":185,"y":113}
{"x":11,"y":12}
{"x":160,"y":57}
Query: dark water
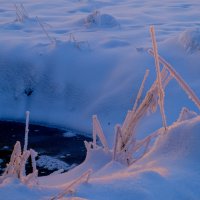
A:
{"x":44,"y":140}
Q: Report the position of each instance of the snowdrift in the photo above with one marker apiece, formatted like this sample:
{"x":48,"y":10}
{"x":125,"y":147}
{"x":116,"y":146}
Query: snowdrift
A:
{"x":168,"y":171}
{"x":178,"y":148}
{"x":170,"y":165}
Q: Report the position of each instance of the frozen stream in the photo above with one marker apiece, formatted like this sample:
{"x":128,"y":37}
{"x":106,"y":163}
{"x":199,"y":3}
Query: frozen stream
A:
{"x":57,"y":148}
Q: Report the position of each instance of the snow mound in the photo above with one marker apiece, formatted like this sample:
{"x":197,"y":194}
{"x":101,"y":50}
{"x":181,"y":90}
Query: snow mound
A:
{"x":108,"y":21}
{"x":190,"y":39}
{"x":96,"y":19}
{"x":95,"y":160}
{"x":186,"y":114}
{"x":171,"y":166}
{"x":179,"y":145}
{"x":12,"y":189}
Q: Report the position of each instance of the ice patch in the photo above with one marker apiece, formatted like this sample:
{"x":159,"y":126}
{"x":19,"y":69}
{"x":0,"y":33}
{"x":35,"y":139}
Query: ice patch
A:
{"x":69,"y":134}
{"x":51,"y":163}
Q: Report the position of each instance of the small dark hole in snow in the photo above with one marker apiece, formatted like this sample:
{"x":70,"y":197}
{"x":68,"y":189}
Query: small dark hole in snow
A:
{"x":28,"y":91}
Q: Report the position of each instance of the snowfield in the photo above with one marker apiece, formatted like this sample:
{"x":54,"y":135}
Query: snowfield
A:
{"x":92,"y":59}
{"x":68,"y":60}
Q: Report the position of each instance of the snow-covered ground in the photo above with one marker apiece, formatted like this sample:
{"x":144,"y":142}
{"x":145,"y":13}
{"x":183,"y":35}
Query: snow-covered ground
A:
{"x":93,"y":59}
{"x":169,"y":171}
{"x":66,"y":60}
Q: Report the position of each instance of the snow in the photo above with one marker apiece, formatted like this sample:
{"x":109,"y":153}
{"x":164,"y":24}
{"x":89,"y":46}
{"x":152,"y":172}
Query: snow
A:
{"x":76,"y":76}
{"x":186,"y":114}
{"x":169,"y":171}
{"x":190,"y":39}
{"x":66,"y":61}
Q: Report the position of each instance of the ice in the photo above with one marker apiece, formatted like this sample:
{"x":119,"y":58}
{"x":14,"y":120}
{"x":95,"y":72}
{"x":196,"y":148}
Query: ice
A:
{"x":51,"y":163}
{"x":26,"y":131}
{"x":190,"y":39}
